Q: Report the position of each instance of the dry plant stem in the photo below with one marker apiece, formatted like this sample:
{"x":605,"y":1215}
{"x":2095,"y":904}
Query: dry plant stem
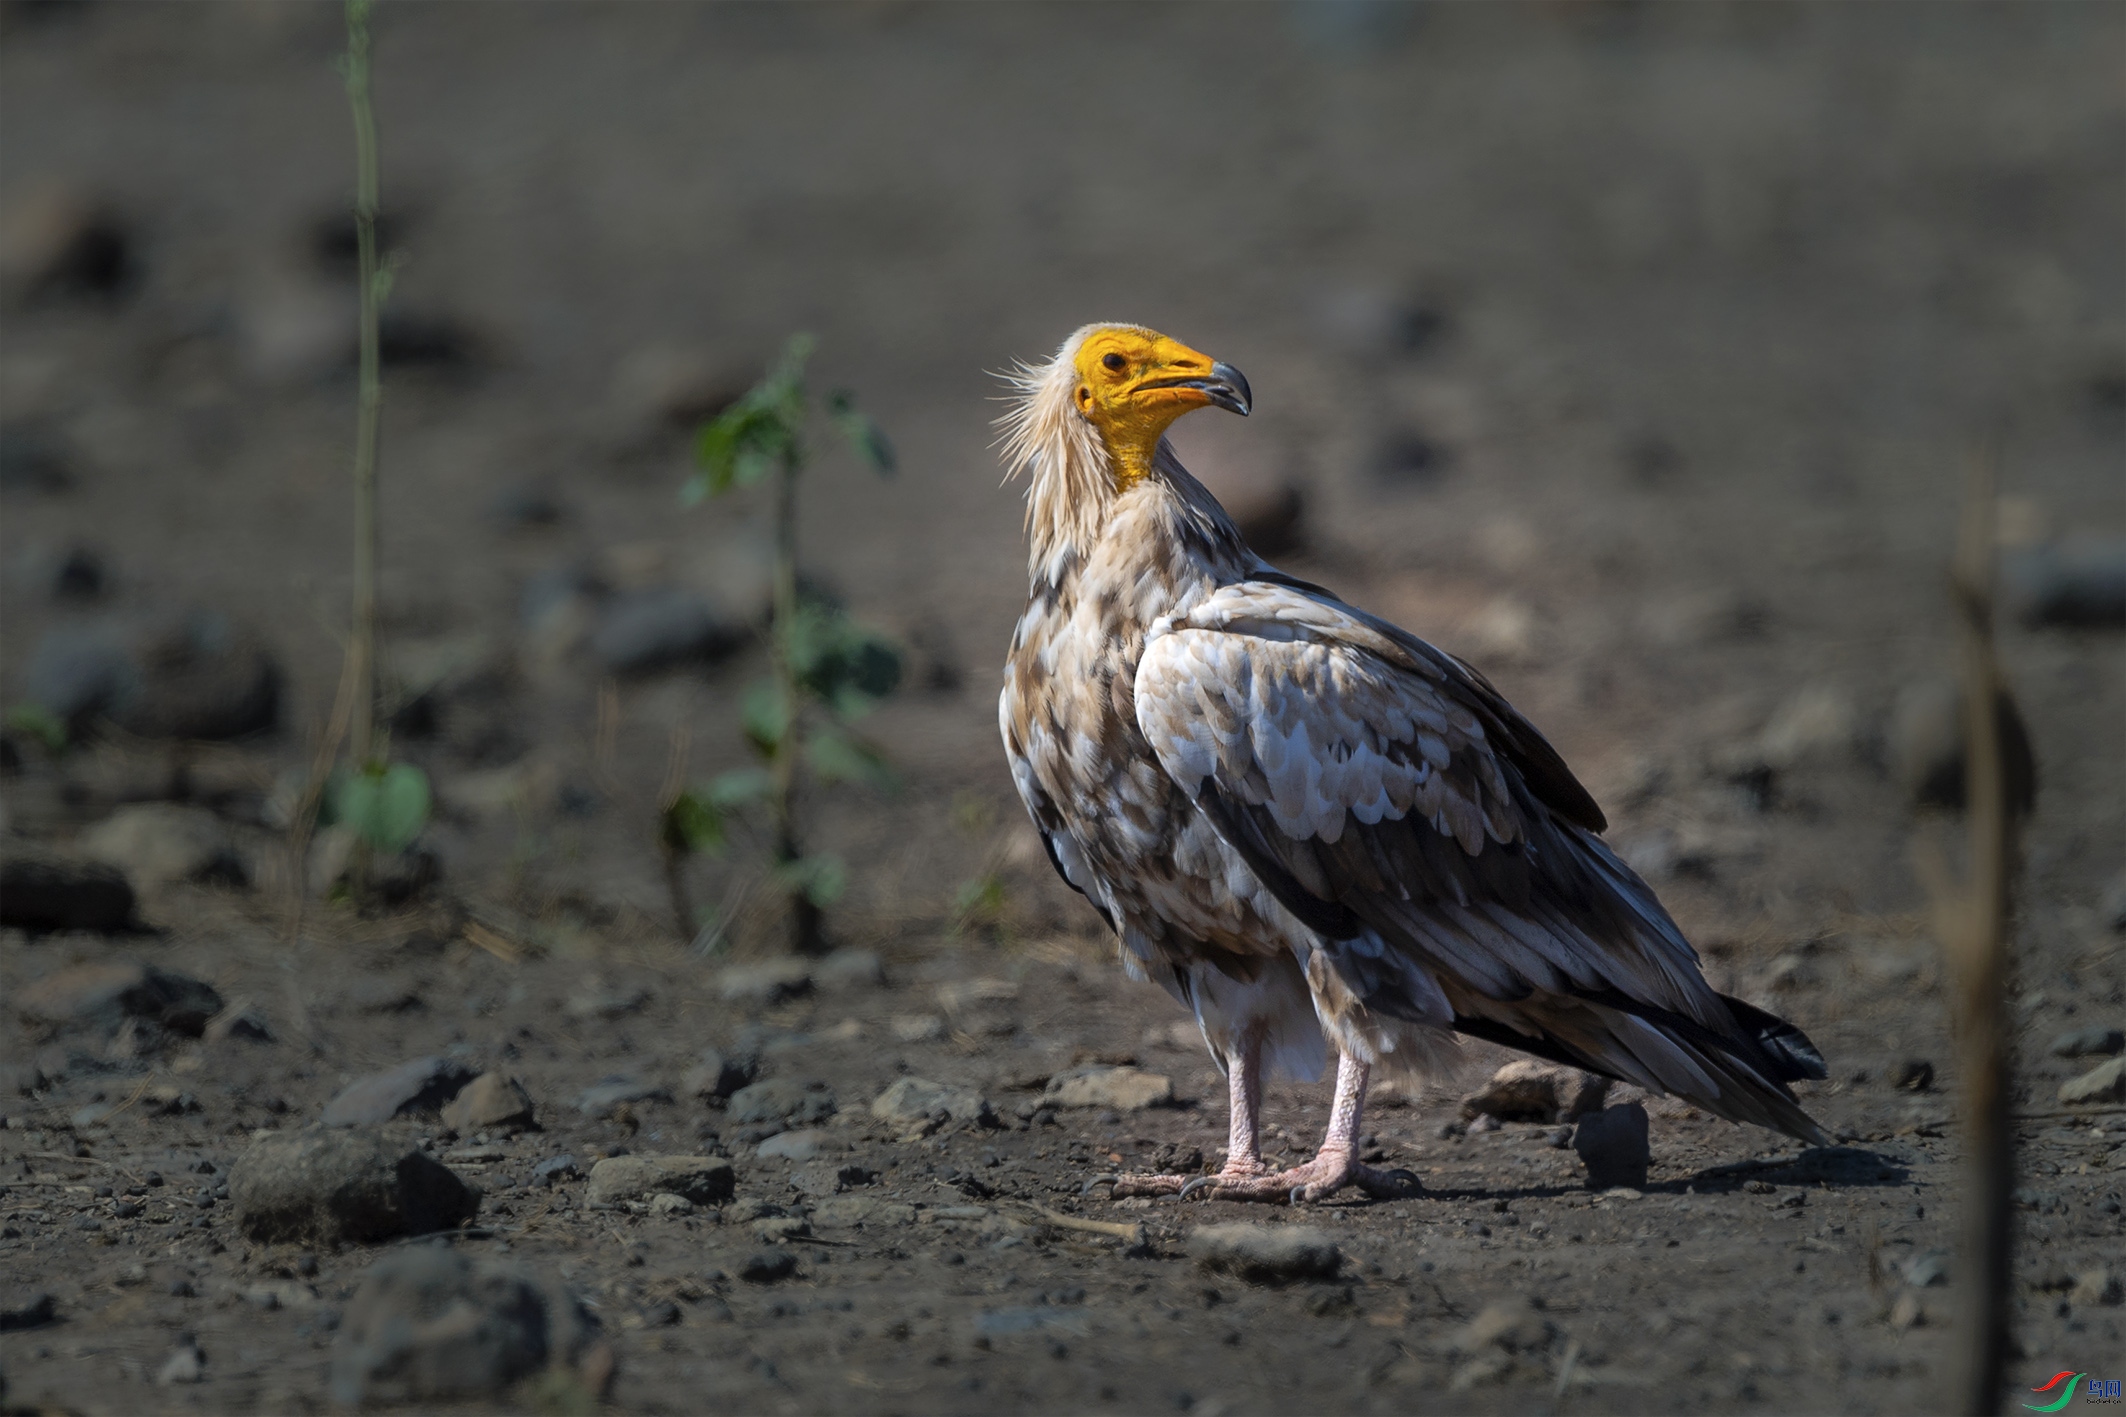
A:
{"x":1975,"y":934}
{"x":675,"y":880}
{"x":361,"y":648}
{"x":805,"y":935}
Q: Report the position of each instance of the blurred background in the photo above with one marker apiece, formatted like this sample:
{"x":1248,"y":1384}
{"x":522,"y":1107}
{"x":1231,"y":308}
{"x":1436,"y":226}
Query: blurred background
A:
{"x":1635,"y":352}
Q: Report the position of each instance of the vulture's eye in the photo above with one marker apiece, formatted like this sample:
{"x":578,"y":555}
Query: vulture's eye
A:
{"x":1113,"y":361}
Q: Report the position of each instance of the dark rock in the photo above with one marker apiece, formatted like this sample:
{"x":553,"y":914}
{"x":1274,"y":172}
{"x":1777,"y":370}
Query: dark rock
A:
{"x":1913,"y":1075}
{"x":525,"y":506}
{"x":491,"y":1102}
{"x":715,"y":1075}
{"x":33,"y":458}
{"x":1528,"y":1091}
{"x":31,"y":1310}
{"x":556,"y":1169}
{"x":768,"y":982}
{"x":2111,"y":910}
{"x":192,"y":676}
{"x":186,"y":1364}
{"x":105,"y":997}
{"x":413,"y":1089}
{"x":1266,"y":1254}
{"x":782,"y":1100}
{"x":849,"y":969}
{"x":42,"y":891}
{"x":1926,"y":746}
{"x":1612,"y":1145}
{"x":704,"y":1180}
{"x":344,"y":1187}
{"x":79,"y":576}
{"x":430,"y":1325}
{"x":602,"y":1097}
{"x":2078,"y":585}
{"x":158,"y":844}
{"x":59,"y":242}
{"x":768,"y":1266}
{"x":427,"y":338}
{"x":2096,"y":1040}
{"x":642,"y":631}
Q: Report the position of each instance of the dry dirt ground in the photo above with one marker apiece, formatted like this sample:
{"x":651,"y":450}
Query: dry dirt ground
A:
{"x":1633,"y":351}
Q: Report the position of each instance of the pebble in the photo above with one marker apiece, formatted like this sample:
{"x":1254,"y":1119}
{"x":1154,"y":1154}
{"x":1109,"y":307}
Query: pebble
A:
{"x":782,"y":1100}
{"x":491,"y":1102}
{"x":913,"y":1100}
{"x":704,"y":1180}
{"x":801,"y":1145}
{"x":775,"y":1229}
{"x":767,"y":1266}
{"x":1913,"y":1075}
{"x":186,"y":1364}
{"x":1123,"y":1089}
{"x":1908,"y":1311}
{"x":1612,"y":1145}
{"x":850,"y":969}
{"x":601,"y":1097}
{"x":344,"y":1187}
{"x":419,"y":1087}
{"x":158,"y":844}
{"x":849,"y":1212}
{"x":34,"y":1309}
{"x":2095,"y":1040}
{"x":605,"y":1004}
{"x":432,"y":1325}
{"x":43,"y":891}
{"x":1266,"y":1254}
{"x":1925,"y":742}
{"x":2097,"y":1286}
{"x":670,"y":1203}
{"x":769,"y":982}
{"x":2104,"y":1083}
{"x":57,"y":240}
{"x":195,"y":675}
{"x":105,"y":997}
{"x":916,"y":1028}
{"x":715,"y":1075}
{"x":640,"y":632}
{"x":1528,"y":1091}
{"x":1515,"y":1325}
{"x":2075,"y":585}
{"x":556,"y":1169}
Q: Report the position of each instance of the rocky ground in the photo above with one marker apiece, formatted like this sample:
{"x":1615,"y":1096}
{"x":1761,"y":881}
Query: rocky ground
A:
{"x":1634,"y":353}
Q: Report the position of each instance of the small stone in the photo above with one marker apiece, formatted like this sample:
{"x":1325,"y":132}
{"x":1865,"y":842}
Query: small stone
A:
{"x":669,"y":1203}
{"x":640,"y":632}
{"x":961,"y":994}
{"x":768,"y":1266}
{"x":913,"y":1100}
{"x":194,"y":675}
{"x":1925,"y":743}
{"x":42,"y":891}
{"x":1528,"y":1091}
{"x":769,"y":982}
{"x":1818,"y":723}
{"x":704,"y":1180}
{"x":491,"y":1102}
{"x":776,"y":1229}
{"x":186,"y":1364}
{"x":2097,"y":1286}
{"x":2111,"y":910}
{"x":782,"y":1100}
{"x":605,"y":1003}
{"x":417,"y":1088}
{"x":916,"y":1028}
{"x":556,"y":1169}
{"x":2075,"y":585}
{"x":1123,"y":1089}
{"x":1515,"y":1325}
{"x":105,"y":997}
{"x":2095,"y":1041}
{"x":599,"y":1099}
{"x":1266,"y":1254}
{"x":849,"y":1212}
{"x":344,"y":1187}
{"x":57,"y":240}
{"x":27,"y":1310}
{"x":1612,"y":1145}
{"x":158,"y":844}
{"x":748,"y":1210}
{"x":1927,"y":1270}
{"x":850,"y":969}
{"x":1908,"y":1311}
{"x":1913,"y":1075}
{"x":801,"y":1145}
{"x":2104,"y":1083}
{"x":432,"y":1325}
{"x":715,"y":1075}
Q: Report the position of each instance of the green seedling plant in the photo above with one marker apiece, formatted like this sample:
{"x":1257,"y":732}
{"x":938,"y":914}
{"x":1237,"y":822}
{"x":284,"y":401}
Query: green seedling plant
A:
{"x":827,"y":670}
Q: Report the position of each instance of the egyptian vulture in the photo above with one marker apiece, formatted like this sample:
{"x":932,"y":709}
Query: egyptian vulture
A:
{"x":1313,"y":829}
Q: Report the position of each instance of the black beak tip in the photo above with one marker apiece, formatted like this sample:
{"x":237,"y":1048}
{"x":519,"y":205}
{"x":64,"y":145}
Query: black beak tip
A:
{"x":1240,"y":398}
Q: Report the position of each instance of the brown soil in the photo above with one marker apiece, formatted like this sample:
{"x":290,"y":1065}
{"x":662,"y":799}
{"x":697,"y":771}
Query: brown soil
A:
{"x":1724,"y":298}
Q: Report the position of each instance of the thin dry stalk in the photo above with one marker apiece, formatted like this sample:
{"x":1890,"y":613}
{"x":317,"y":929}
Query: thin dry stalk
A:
{"x":1973,"y":924}
{"x":361,"y":649}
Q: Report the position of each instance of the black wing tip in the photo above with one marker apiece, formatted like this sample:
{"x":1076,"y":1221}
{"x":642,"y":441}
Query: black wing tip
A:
{"x":1797,"y":1057}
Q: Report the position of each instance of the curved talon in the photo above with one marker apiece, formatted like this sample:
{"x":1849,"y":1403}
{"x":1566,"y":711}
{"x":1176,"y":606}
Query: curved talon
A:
{"x":1299,"y":1195}
{"x":1092,"y":1181}
{"x":1195,"y":1184}
{"x":1405,"y":1179}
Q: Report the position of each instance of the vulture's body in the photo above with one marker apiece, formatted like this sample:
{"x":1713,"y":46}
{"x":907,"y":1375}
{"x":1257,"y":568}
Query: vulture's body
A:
{"x":1315,"y":830}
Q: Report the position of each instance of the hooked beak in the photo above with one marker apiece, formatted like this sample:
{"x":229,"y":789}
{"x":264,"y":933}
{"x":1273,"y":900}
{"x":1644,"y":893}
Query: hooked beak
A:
{"x":1225,"y":387}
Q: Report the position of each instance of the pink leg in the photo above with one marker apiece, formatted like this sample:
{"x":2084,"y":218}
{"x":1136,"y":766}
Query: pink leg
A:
{"x":1335,"y":1166}
{"x":1243,"y":1154}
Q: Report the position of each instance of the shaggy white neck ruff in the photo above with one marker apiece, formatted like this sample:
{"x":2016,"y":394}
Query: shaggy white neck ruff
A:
{"x":1070,"y":475}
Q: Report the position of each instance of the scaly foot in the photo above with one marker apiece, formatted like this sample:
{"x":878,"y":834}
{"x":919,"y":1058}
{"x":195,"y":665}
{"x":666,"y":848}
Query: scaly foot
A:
{"x":1315,"y":1180}
{"x":1153,"y":1184}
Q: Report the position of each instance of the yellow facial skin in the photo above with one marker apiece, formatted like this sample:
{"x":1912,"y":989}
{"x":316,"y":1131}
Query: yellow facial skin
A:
{"x":1133,"y":384}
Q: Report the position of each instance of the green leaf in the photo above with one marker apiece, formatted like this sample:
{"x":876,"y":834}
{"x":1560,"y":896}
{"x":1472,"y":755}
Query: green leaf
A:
{"x":979,"y":901}
{"x":383,"y":805}
{"x":820,"y":879}
{"x":838,"y":757}
{"x":766,"y":718}
{"x":864,"y":435}
{"x":40,"y":723}
{"x":692,"y":823}
{"x":740,"y":787}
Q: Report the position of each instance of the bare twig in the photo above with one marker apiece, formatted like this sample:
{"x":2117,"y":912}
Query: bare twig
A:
{"x":361,"y":649}
{"x":1132,"y":1233}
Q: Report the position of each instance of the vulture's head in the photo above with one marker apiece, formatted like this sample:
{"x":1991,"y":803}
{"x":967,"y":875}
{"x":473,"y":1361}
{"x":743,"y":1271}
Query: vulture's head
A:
{"x":1087,"y":423}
